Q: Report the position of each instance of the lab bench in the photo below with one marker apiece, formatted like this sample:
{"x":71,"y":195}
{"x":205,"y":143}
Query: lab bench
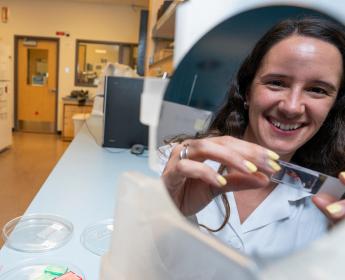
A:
{"x":82,"y":189}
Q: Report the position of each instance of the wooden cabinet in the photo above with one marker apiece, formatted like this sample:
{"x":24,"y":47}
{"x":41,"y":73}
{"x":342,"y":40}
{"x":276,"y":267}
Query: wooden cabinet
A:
{"x":161,"y":35}
{"x":70,"y":108}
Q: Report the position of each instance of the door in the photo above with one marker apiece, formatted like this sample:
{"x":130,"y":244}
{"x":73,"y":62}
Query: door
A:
{"x":36,"y":84}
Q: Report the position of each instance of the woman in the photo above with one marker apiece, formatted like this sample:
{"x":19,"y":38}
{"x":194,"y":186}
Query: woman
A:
{"x":288,"y":103}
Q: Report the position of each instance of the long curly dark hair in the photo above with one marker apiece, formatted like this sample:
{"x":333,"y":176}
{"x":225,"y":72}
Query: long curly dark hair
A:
{"x":325,"y":152}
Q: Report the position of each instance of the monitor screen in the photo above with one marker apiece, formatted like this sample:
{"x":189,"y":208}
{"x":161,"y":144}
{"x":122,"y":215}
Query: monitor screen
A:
{"x":122,"y":126}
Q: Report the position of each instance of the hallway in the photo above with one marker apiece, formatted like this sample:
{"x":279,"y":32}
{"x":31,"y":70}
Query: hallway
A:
{"x":24,"y":168}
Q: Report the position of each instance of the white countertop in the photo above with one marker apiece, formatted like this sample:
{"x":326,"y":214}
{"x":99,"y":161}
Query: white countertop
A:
{"x":82,"y":189}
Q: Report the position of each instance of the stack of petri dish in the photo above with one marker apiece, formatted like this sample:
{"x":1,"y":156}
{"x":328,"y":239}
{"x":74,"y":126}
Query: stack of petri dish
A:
{"x":39,"y":233}
{"x":43,"y":270}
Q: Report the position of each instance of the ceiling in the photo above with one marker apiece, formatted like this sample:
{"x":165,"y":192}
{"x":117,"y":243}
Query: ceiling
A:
{"x":141,"y":3}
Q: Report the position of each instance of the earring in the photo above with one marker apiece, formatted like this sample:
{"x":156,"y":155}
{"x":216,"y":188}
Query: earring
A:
{"x":246,"y":105}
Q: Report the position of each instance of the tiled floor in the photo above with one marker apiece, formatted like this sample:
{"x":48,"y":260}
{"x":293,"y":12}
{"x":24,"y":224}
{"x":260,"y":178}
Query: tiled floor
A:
{"x":24,"y":168}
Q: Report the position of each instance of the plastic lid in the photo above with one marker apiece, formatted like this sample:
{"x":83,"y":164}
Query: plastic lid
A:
{"x":37,"y":233}
{"x":43,"y":270}
{"x":96,"y":238}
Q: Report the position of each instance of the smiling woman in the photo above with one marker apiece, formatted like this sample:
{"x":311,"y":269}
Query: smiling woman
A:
{"x":292,"y":93}
{"x":287,"y":101}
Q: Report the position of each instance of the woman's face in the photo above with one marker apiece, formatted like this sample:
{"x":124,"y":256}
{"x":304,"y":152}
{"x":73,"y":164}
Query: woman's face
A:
{"x":292,"y":93}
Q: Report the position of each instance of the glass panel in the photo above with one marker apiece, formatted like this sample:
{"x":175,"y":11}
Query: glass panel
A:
{"x":92,"y":57}
{"x":37,"y":67}
{"x":126,"y":55}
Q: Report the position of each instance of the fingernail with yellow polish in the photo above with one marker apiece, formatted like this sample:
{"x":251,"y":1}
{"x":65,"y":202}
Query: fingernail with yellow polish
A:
{"x":272,"y":155}
{"x":250,"y":166}
{"x":335,"y":209}
{"x":221,"y":180}
{"x":275,"y":166}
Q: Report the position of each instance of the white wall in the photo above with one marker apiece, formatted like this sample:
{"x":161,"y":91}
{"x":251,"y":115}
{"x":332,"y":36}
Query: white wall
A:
{"x":103,"y":22}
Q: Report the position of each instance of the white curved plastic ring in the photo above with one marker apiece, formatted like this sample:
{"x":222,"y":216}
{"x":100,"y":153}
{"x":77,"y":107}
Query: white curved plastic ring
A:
{"x":184,"y":152}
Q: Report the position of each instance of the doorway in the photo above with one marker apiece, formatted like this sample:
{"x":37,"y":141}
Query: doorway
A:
{"x":36,"y":87}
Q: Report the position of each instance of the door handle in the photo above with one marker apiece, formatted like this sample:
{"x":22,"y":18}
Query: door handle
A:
{"x":53,"y":90}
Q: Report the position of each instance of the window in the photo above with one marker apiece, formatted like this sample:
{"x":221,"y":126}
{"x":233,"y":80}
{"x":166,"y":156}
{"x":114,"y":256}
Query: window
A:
{"x":93,"y":56}
{"x":37,"y":67}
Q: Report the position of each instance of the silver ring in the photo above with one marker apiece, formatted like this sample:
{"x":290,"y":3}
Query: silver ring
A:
{"x":184,"y":152}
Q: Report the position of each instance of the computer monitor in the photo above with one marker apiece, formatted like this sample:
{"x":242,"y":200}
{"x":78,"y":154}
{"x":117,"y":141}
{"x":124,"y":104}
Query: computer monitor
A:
{"x":122,"y":127}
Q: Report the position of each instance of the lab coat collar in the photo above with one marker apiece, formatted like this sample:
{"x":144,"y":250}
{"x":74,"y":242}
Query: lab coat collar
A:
{"x":275,"y":207}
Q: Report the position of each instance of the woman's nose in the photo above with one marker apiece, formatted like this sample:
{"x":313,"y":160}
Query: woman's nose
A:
{"x":292,"y":104}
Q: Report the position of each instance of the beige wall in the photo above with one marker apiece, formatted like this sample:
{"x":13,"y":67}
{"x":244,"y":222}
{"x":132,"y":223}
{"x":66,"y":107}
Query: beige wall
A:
{"x":82,"y":21}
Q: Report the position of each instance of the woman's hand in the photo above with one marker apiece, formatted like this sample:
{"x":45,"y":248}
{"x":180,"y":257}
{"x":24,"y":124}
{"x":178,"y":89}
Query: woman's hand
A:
{"x":192,"y":184}
{"x":333,"y":208}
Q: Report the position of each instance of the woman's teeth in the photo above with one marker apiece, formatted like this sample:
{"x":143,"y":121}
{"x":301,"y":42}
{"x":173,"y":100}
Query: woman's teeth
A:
{"x":285,"y":127}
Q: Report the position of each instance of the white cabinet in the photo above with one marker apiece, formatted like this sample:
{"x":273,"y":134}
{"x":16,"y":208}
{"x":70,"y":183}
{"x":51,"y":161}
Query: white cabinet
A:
{"x":5,"y":124}
{"x":4,"y":62}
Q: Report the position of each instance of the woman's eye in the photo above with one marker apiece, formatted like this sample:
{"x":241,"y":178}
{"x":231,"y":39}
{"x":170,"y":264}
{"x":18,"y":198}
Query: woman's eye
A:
{"x":276,"y":84}
{"x":318,"y":90}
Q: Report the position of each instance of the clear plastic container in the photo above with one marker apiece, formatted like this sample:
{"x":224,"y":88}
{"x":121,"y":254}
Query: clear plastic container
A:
{"x":37,"y":233}
{"x":45,"y":270}
{"x":96,"y":237}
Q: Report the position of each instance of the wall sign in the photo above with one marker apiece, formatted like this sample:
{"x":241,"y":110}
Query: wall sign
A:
{"x":4,"y":14}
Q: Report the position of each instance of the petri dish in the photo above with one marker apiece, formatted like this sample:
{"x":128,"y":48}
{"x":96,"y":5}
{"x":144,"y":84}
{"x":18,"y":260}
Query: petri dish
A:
{"x":43,"y":270}
{"x":96,"y":237}
{"x":37,"y":233}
